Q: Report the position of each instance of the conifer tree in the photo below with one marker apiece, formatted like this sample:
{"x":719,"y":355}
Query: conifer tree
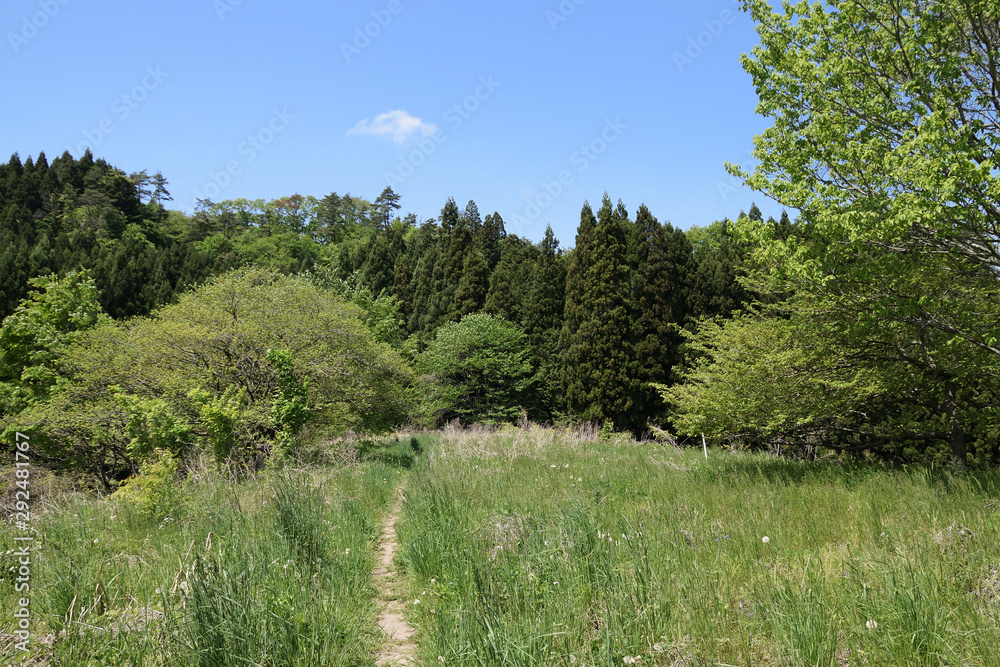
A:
{"x":471,"y":292}
{"x":501,"y":299}
{"x":713,"y":289}
{"x":471,"y":218}
{"x":656,"y":304}
{"x":603,"y":388}
{"x":489,"y":238}
{"x":574,"y":312}
{"x":544,"y":317}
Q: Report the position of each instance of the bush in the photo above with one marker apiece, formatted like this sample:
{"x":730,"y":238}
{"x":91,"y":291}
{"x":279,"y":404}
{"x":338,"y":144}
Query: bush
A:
{"x":476,"y":370}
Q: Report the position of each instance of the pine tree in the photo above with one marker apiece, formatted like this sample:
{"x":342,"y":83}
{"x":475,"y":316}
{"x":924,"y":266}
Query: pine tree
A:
{"x":602,"y":345}
{"x":544,"y":318}
{"x":472,"y":287}
{"x":574,"y":311}
{"x":385,"y":204}
{"x":489,"y":238}
{"x":657,"y":304}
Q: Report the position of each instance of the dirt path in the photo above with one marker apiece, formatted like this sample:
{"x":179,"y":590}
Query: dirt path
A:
{"x":399,"y":649}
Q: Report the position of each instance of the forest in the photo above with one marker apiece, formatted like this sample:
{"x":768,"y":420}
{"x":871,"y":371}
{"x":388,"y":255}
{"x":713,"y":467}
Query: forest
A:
{"x":329,"y":431}
{"x":865,"y":327}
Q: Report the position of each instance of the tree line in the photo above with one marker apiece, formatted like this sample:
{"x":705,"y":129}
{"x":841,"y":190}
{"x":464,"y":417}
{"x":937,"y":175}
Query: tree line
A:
{"x":869,"y":326}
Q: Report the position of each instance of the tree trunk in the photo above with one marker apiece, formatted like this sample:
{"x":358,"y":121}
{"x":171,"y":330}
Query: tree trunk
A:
{"x":957,"y":435}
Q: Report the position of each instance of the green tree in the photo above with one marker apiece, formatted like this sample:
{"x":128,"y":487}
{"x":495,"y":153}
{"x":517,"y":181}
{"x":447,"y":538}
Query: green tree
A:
{"x":884,"y":137}
{"x":207,"y":357}
{"x":472,"y":286}
{"x":55,"y":313}
{"x":475,"y":370}
{"x":544,"y":318}
{"x":658,"y":311}
{"x":574,"y":309}
{"x":386,"y":204}
{"x":602,"y":350}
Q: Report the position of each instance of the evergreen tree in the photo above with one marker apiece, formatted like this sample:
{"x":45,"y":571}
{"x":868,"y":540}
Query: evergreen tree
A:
{"x":574,"y":311}
{"x":471,"y":218}
{"x":385,"y":204}
{"x":544,"y":318}
{"x":489,"y":238}
{"x":713,"y":289}
{"x":471,"y":292}
{"x":605,"y":390}
{"x":656,"y":302}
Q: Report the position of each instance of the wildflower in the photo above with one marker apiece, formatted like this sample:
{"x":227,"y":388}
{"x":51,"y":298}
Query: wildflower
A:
{"x":441,"y":659}
{"x":433,"y":580}
{"x":658,"y":647}
{"x":417,"y":601}
{"x":157,"y":591}
{"x":871,"y":624}
{"x":347,"y":551}
{"x":95,"y":540}
{"x":765,"y":539}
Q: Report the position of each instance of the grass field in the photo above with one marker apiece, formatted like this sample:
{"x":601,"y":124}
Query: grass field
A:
{"x":273,"y":570}
{"x":530,"y":547}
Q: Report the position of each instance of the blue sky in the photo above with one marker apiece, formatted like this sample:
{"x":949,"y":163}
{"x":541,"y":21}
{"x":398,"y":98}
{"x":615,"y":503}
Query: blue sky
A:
{"x":529,"y":107}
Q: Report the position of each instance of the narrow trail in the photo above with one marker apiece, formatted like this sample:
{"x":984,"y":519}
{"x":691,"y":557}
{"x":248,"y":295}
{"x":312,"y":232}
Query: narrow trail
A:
{"x":399,"y":649}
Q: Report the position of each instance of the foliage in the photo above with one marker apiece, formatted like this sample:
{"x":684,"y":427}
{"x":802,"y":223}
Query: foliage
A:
{"x":290,"y":410}
{"x":153,"y":494}
{"x":32,"y":337}
{"x":152,"y":426}
{"x":224,"y":418}
{"x":478,"y":369}
{"x":884,"y":135}
{"x":204,"y":361}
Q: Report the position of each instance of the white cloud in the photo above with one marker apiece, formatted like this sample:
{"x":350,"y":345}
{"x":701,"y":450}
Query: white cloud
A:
{"x":399,"y":124}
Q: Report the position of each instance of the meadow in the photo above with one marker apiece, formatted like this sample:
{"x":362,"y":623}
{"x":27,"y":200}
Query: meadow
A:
{"x":273,"y":569}
{"x":533,"y":547}
{"x":529,"y":546}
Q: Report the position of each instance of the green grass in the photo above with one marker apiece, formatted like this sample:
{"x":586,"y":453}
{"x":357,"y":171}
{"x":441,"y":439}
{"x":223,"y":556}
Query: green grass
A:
{"x":530,"y":547}
{"x":274,"y":570}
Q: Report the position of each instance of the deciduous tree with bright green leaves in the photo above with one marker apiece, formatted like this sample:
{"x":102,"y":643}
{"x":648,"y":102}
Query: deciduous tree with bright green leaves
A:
{"x":886,"y":124}
{"x":475,"y":370}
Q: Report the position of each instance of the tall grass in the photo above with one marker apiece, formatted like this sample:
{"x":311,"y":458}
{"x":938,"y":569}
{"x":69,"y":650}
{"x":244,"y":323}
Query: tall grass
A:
{"x":537,"y":547}
{"x":274,"y":570}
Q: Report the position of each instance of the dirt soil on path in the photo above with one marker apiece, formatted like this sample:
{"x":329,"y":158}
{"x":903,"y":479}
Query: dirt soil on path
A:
{"x":399,"y":649}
